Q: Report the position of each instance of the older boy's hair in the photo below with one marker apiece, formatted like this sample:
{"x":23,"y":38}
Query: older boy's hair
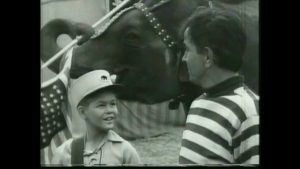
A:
{"x":223,"y":32}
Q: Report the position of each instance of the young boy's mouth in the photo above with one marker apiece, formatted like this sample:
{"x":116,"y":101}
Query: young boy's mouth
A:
{"x":108,"y":119}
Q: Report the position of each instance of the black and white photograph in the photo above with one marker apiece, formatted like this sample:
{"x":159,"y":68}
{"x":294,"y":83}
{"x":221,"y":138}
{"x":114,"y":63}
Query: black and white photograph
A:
{"x":149,"y":83}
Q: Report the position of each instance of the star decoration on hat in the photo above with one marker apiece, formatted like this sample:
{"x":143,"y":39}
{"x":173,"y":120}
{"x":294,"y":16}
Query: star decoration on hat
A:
{"x":103,"y":77}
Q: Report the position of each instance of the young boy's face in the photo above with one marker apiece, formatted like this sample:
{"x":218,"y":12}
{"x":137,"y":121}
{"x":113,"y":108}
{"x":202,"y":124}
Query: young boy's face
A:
{"x":101,"y":111}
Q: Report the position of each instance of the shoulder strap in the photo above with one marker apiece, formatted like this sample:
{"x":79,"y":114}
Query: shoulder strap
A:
{"x":77,"y":148}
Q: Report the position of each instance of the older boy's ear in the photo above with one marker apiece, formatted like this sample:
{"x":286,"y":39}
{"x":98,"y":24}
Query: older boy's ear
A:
{"x":209,"y":59}
{"x":81,"y":111}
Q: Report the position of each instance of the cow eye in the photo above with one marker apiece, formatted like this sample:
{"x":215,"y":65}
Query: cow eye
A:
{"x":132,"y":36}
{"x":133,"y":39}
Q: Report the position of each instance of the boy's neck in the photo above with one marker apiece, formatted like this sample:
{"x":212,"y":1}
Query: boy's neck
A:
{"x":94,"y":138}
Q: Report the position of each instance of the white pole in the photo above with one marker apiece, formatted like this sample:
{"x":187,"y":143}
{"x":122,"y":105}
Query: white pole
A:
{"x":74,"y":42}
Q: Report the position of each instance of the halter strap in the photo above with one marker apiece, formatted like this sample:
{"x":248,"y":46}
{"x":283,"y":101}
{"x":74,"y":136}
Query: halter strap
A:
{"x":163,"y":34}
{"x":156,"y":25}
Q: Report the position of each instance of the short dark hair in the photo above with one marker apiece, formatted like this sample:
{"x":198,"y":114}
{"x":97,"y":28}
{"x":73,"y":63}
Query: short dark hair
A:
{"x":223,"y":32}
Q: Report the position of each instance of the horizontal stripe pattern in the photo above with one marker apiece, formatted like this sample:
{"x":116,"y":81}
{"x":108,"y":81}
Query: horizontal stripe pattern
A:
{"x":223,"y":129}
{"x":251,"y":121}
{"x":246,"y":144}
{"x":205,"y":132}
{"x":246,"y":102}
{"x":231,"y":112}
{"x":234,"y":107}
{"x":183,"y":160}
{"x":213,"y":116}
{"x":253,"y":151}
{"x":253,"y":160}
{"x":245,"y":139}
{"x":210,"y":124}
{"x":186,"y":156}
{"x":203,"y":151}
{"x":211,"y":146}
{"x":253,"y":130}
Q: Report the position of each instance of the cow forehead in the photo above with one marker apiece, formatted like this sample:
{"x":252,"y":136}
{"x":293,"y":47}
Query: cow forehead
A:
{"x":127,"y":20}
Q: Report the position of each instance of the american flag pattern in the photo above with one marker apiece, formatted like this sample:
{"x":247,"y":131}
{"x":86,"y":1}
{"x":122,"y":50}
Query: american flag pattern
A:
{"x":51,"y":117}
{"x":54,"y":117}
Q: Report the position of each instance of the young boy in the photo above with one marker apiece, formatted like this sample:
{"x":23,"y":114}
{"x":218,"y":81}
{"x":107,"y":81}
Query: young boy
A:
{"x":94,"y":97}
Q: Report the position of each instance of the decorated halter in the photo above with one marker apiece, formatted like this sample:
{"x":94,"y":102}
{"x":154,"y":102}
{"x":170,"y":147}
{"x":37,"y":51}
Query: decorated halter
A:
{"x":156,"y":25}
{"x":158,"y":28}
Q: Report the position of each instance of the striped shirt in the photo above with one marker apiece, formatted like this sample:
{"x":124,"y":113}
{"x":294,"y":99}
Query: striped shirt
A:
{"x":222,"y":126}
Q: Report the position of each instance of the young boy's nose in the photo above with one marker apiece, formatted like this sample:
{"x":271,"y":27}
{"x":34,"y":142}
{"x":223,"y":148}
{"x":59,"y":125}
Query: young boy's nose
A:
{"x":112,"y":109}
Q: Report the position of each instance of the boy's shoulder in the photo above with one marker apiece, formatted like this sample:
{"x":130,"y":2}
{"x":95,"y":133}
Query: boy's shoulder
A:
{"x":114,"y":137}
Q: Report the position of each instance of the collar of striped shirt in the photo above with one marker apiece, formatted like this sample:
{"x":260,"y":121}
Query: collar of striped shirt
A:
{"x":225,"y":87}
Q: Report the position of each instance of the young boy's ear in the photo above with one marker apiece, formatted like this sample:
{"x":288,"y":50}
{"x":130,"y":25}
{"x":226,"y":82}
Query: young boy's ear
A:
{"x":81,"y":111}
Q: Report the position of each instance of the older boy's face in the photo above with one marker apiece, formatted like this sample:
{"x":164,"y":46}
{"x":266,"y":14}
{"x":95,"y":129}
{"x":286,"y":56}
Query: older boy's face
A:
{"x":101,"y":111}
{"x":193,"y":59}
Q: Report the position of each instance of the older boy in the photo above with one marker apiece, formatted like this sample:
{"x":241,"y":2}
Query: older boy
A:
{"x":222,"y":126}
{"x":94,"y":96}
